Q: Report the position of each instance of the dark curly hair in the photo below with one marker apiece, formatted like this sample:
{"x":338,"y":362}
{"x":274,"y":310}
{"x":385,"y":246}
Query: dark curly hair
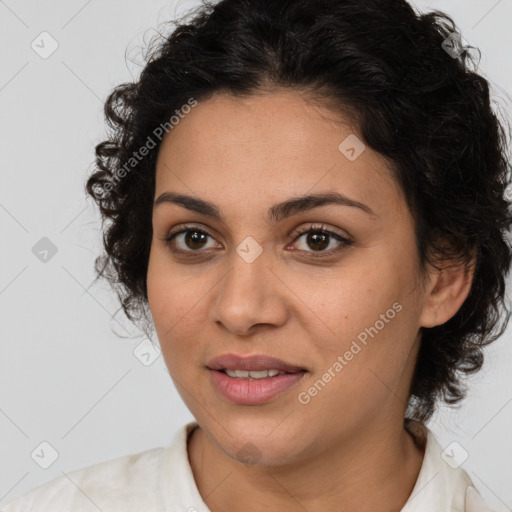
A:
{"x":413,"y":97}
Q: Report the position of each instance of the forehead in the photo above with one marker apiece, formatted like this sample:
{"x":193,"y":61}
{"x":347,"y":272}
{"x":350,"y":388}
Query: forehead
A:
{"x":266,"y":148}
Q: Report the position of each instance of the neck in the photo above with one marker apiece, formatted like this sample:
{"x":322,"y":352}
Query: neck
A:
{"x":376,"y":470}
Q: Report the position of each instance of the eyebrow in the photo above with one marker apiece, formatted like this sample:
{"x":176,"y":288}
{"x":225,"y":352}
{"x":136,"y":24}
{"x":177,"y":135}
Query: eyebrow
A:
{"x":275,"y":213}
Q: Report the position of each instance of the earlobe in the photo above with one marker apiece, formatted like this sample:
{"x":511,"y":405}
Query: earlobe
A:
{"x":446,"y":292}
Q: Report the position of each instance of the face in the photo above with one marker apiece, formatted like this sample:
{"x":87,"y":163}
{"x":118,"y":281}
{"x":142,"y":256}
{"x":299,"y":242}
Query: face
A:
{"x":344,"y":304}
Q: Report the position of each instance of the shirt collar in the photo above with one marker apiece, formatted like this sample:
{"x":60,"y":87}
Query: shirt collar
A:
{"x":178,"y":486}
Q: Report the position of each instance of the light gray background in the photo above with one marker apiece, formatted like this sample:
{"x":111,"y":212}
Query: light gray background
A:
{"x":65,"y":377}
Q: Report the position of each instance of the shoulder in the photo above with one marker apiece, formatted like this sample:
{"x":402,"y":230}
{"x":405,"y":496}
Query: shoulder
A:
{"x":474,"y":502}
{"x":122,"y":482}
{"x":442,"y":483}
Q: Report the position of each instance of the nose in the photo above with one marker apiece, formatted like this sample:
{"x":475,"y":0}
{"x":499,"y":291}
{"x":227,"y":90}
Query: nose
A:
{"x":251,"y":297}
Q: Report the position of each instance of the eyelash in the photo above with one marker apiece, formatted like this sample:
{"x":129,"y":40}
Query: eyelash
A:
{"x":344,"y":242}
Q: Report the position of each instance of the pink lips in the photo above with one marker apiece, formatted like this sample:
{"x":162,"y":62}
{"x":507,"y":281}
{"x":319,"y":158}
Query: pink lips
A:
{"x":252,"y":392}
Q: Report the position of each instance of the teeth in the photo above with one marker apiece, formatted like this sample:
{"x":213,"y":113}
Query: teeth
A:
{"x":251,"y":375}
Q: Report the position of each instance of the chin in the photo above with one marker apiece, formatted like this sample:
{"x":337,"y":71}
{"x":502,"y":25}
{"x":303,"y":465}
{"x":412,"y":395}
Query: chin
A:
{"x":257,"y":443}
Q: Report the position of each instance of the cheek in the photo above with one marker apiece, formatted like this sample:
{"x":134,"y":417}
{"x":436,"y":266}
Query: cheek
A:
{"x":370,"y":320}
{"x":168,"y":295}
{"x":177,"y":311}
{"x":163,"y":293}
{"x":345,"y":302}
{"x":361,"y":373}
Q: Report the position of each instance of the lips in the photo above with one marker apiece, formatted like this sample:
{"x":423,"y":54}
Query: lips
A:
{"x":252,"y":363}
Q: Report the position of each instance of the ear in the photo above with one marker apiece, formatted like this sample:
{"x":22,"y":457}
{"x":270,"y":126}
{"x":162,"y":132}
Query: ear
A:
{"x":446,"y":291}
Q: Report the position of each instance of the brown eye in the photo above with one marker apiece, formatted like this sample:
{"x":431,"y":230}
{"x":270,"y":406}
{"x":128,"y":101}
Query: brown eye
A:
{"x":317,"y":241}
{"x":188,"y":239}
{"x":319,"y":238}
{"x":195,"y":239}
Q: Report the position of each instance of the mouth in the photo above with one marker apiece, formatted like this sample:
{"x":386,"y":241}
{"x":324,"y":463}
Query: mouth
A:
{"x":256,"y":374}
{"x":251,"y":366}
{"x":253,"y":380}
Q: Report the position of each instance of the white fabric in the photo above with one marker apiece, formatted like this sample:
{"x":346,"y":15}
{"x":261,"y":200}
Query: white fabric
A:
{"x":161,"y":480}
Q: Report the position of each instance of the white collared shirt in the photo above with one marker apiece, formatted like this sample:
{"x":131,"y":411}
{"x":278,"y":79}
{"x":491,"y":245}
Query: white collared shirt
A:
{"x":161,"y":480}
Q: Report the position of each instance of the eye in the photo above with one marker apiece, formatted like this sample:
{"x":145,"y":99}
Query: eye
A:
{"x":191,"y":237}
{"x":319,"y":238}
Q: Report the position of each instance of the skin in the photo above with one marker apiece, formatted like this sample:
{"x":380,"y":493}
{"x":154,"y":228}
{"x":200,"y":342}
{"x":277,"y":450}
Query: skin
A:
{"x":245,"y":156}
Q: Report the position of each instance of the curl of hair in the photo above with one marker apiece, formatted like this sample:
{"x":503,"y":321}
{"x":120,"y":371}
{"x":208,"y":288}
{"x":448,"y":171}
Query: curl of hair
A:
{"x":381,"y":64}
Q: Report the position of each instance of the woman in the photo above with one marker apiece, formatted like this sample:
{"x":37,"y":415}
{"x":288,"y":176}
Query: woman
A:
{"x":307,"y":201}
